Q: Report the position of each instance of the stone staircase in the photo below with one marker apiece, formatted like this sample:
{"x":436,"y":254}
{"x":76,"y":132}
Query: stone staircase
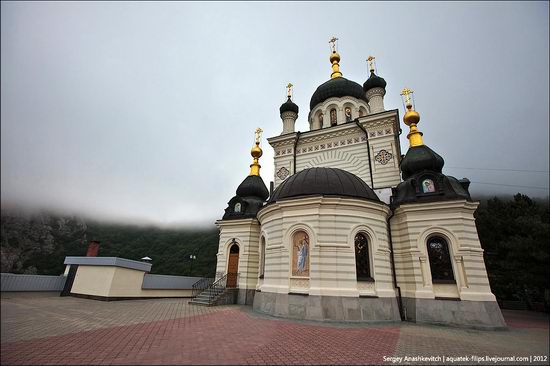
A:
{"x":216,"y":293}
{"x":208,"y":297}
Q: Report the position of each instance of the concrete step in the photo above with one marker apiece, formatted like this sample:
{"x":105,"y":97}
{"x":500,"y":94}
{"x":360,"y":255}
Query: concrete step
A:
{"x":193,"y":302}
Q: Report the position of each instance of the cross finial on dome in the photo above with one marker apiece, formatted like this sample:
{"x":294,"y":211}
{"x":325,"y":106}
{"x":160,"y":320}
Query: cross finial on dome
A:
{"x":406,"y":94}
{"x":334,"y":60}
{"x":258,"y":135}
{"x":371,"y":63}
{"x":333,"y":45}
{"x":256,"y":153}
{"x":411,"y":119}
{"x":289,"y":90}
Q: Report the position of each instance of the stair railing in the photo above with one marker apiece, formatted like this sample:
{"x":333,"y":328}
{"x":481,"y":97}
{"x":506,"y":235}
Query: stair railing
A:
{"x":220,"y":285}
{"x":201,"y":285}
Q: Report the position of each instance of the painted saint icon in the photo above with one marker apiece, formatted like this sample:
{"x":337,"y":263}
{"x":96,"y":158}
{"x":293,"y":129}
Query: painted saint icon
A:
{"x":428,"y":186}
{"x":348,"y":114}
{"x":300,"y":254}
{"x":321,"y":120}
{"x":333,"y":117}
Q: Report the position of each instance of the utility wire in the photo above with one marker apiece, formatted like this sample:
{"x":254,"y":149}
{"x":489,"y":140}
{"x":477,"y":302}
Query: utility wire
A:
{"x":505,"y":170}
{"x":510,"y":185}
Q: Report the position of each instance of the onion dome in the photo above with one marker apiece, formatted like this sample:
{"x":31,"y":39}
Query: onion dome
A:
{"x":253,"y":186}
{"x":374,"y":81}
{"x":337,"y":87}
{"x":288,"y":106}
{"x":420,"y":158}
{"x":423,"y":180}
{"x":252,"y":192}
{"x":323,"y":182}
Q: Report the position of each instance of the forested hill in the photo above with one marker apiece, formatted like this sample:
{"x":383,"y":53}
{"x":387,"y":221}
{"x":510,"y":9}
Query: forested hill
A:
{"x":515,"y":234}
{"x":39,"y":243}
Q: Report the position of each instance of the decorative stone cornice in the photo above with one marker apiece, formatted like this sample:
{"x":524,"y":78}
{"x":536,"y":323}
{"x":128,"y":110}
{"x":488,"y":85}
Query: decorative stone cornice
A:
{"x":375,"y":92}
{"x":289,"y":114}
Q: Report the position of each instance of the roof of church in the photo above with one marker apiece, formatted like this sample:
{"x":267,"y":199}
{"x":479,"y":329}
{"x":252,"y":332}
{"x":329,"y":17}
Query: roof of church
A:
{"x":337,"y":87}
{"x":287,"y":106}
{"x":419,"y":158}
{"x":323,"y":182}
{"x":374,"y":81}
{"x":253,"y":186}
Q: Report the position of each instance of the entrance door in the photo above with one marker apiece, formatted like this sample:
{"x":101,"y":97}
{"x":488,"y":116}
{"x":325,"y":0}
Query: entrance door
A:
{"x":233,"y":266}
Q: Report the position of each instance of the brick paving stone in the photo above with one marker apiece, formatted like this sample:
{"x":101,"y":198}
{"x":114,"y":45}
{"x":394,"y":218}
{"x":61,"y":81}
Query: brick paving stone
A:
{"x":170,"y":331}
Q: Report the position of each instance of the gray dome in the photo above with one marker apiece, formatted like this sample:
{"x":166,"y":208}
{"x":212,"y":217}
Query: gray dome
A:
{"x":374,"y":81}
{"x":337,"y":87}
{"x":323,"y":182}
{"x":288,"y":106}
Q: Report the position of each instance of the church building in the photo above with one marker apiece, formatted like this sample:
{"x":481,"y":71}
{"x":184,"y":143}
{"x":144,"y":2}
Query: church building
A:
{"x":352,"y":230}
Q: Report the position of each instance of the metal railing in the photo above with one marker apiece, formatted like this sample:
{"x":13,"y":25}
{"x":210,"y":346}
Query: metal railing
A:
{"x":201,"y":285}
{"x":218,"y":287}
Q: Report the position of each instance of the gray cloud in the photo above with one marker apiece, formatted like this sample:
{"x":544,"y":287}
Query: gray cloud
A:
{"x":146,"y":111}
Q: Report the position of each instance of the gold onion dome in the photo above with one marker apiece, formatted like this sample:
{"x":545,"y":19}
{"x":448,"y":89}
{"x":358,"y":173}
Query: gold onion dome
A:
{"x":256,"y":153}
{"x":411,"y":119}
{"x":337,"y":86}
{"x":411,"y":116}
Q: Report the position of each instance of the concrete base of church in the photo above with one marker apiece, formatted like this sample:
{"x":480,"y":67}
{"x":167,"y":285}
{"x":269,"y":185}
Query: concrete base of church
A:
{"x":462,"y":313}
{"x":327,"y":308}
{"x":245,"y":297}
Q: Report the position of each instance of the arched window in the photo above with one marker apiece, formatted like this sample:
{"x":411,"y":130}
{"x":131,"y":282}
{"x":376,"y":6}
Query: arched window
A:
{"x":262,"y":257}
{"x":333,"y":121}
{"x":440,"y":260}
{"x":237,"y":207}
{"x":362,"y":259}
{"x":300,"y":254}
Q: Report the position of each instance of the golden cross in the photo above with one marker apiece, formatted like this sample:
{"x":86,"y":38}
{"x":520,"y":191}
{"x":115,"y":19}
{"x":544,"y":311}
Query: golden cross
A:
{"x":333,"y":41}
{"x":371,"y":62}
{"x":407,"y":94}
{"x":289,"y":87}
{"x":258,"y":134}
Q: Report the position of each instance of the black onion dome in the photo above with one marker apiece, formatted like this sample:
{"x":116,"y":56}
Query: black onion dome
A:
{"x":374,"y":81}
{"x":288,"y":106}
{"x":420,"y":158}
{"x":323,"y":182}
{"x":337,"y":87}
{"x":250,"y":198}
{"x":253,"y":186}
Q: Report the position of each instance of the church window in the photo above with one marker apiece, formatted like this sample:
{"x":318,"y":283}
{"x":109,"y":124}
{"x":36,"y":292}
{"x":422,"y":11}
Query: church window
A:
{"x":333,"y":121}
{"x":428,"y":186}
{"x":321,"y":120}
{"x":262,"y":257}
{"x":300,"y":254}
{"x":362,"y":259}
{"x":348,"y":114}
{"x":237,"y":207}
{"x":440,"y":260}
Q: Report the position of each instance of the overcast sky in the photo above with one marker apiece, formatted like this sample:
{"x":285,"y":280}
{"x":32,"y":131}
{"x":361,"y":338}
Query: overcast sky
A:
{"x":145,"y":111}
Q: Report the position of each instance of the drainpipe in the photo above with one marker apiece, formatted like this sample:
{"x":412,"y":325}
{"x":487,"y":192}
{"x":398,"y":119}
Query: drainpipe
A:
{"x":392,"y":260}
{"x":294,"y":150}
{"x":368,"y":150}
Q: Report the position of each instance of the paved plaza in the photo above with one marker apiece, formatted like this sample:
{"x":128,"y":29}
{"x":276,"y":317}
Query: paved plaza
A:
{"x":40,"y":329}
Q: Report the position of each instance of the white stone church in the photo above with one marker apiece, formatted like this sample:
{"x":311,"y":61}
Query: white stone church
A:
{"x":353,"y":230}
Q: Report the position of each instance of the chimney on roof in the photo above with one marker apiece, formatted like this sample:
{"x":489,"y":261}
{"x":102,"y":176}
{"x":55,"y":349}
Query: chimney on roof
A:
{"x":93,"y":248}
